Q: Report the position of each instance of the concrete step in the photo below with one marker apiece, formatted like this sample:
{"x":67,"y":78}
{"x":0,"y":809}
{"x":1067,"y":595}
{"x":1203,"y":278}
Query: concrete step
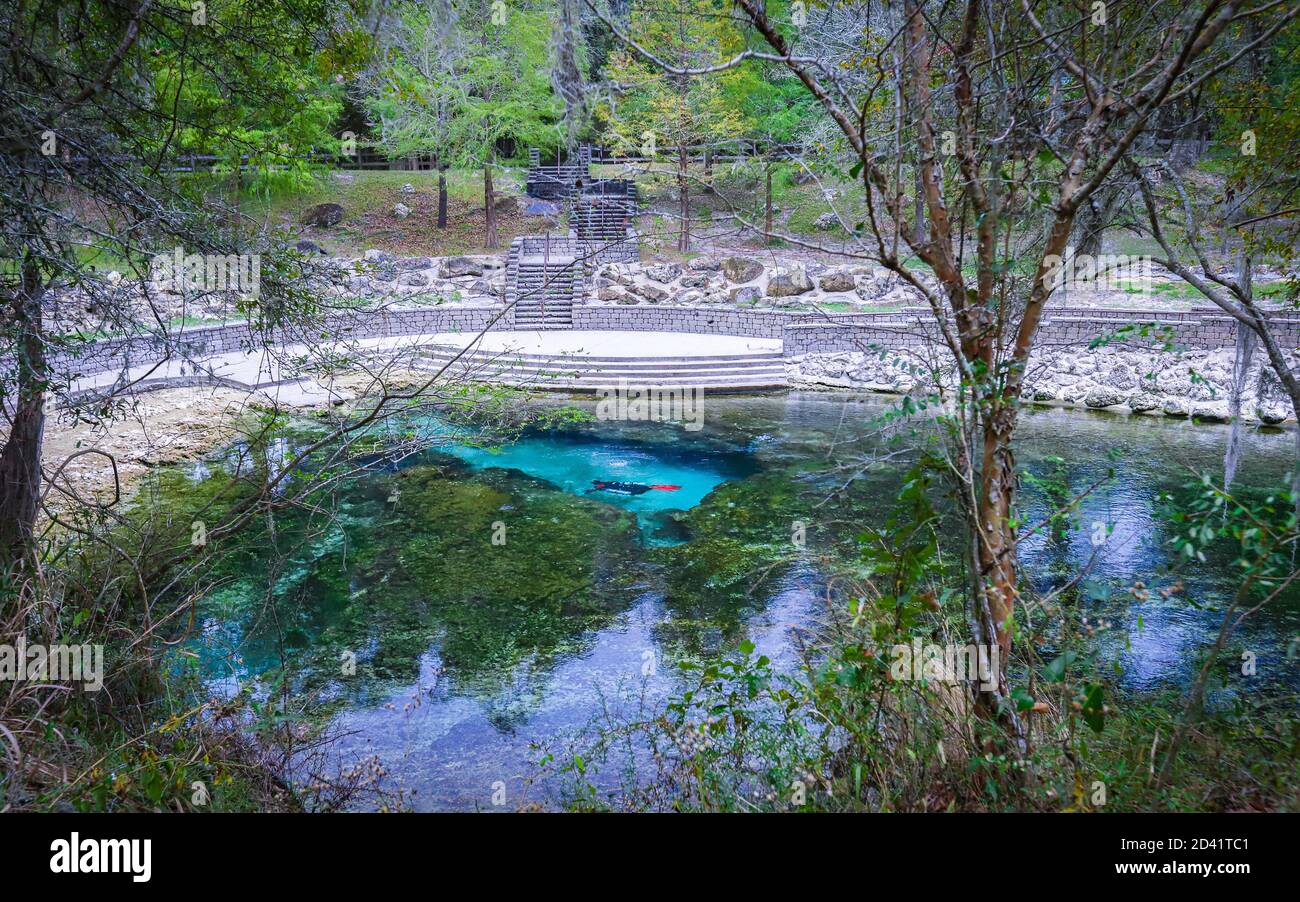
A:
{"x":757,"y":357}
{"x":724,"y":372}
{"x":562,"y":365}
{"x":734,"y":383}
{"x":718,"y":383}
{"x":489,"y":371}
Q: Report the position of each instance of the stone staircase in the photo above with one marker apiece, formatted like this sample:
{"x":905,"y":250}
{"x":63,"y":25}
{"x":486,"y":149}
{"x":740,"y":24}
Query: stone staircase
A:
{"x":602,"y":218}
{"x":725,"y":373}
{"x":544,"y":276}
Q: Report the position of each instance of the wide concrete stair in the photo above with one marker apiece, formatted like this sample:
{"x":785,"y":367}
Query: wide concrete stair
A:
{"x":757,"y":371}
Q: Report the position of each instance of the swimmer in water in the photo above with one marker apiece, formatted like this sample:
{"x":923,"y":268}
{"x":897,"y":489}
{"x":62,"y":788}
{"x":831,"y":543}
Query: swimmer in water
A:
{"x":628,"y":488}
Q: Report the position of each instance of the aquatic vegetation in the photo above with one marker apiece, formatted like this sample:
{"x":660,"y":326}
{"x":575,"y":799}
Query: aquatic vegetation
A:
{"x":485,"y":607}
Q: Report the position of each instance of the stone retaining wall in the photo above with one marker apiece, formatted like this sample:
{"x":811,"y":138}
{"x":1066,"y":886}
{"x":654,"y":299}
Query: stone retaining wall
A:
{"x":710,"y":320}
{"x":803,"y":332}
{"x":1067,"y":328}
{"x":208,"y":341}
{"x":807,"y":332}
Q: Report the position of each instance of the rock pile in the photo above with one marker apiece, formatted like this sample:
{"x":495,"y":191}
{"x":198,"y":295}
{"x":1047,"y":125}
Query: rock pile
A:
{"x":1186,"y":384}
{"x":746,"y":282}
{"x":105,"y":303}
{"x":380,"y":273}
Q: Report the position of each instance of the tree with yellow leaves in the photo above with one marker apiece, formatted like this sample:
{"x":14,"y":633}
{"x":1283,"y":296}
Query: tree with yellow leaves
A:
{"x":664,"y":99}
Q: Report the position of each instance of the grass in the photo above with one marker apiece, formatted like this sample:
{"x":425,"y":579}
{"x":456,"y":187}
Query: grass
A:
{"x":740,"y":187}
{"x":368,"y":199}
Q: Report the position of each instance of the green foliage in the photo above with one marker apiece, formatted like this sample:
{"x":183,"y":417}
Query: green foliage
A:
{"x":457,"y":85}
{"x":266,"y":107}
{"x":677,"y":111}
{"x":1258,"y":136}
{"x":1261,"y":530}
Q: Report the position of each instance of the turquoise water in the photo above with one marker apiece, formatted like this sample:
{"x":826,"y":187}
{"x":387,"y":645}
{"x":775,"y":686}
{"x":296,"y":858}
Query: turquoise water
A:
{"x":474,"y":658}
{"x":572,"y":464}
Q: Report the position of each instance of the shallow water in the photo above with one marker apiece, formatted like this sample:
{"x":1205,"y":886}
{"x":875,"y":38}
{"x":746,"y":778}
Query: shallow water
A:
{"x":471,"y":655}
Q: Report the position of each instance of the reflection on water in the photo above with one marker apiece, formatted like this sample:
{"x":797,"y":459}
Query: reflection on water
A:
{"x":468,"y":651}
{"x":1156,"y":641}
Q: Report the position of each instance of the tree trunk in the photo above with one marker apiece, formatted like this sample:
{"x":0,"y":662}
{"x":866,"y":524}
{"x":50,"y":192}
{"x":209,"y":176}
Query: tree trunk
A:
{"x":767,"y":207}
{"x":442,"y":197}
{"x":235,"y":190}
{"x":684,"y":197}
{"x":490,"y":202}
{"x":1091,"y":224}
{"x":995,"y":546}
{"x":1246,"y":339}
{"x":20,"y":461}
{"x":918,"y":211}
{"x":708,"y":167}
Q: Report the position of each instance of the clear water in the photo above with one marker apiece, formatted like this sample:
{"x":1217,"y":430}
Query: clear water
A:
{"x":473,"y":657}
{"x":573,"y":463}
